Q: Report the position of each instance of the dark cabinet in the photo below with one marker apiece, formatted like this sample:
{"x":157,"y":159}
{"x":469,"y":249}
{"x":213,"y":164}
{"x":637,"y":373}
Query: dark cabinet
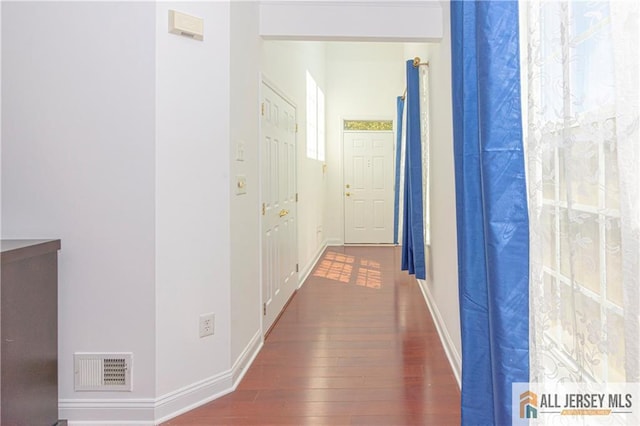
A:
{"x":29,"y":333}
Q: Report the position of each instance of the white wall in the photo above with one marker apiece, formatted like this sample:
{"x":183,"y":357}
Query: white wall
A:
{"x":285,"y":64}
{"x":78,"y":142}
{"x":363,"y":81}
{"x":118,"y":144}
{"x":192,"y":198}
{"x":245,"y":221}
{"x":442,"y":281}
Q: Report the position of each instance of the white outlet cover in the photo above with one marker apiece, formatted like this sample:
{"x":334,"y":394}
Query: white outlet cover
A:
{"x":207,"y":325}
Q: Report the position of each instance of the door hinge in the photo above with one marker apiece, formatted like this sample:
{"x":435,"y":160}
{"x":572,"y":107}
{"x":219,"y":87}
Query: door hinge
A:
{"x":264,"y":309}
{"x":262,"y":108}
{"x":297,"y":267}
{"x":264,"y":209}
{"x":296,"y":127}
{"x":296,"y":197}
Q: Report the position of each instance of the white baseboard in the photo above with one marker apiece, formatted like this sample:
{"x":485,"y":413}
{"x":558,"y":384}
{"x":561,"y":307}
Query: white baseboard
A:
{"x":148,"y":412}
{"x":244,"y":361}
{"x":109,"y":423}
{"x":117,"y":411}
{"x":334,"y":243}
{"x":177,"y":403}
{"x":194,"y":395}
{"x":450,"y":350}
{"x":304,"y":273}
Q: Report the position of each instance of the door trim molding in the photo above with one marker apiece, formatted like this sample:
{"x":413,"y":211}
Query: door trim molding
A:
{"x":273,"y":86}
{"x":343,"y":118}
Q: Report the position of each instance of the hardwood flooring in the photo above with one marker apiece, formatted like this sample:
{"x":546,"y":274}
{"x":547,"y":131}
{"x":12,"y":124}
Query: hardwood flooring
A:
{"x":355,"y":346}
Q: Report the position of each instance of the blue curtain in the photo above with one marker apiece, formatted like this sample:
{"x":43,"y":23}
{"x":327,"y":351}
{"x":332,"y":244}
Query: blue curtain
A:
{"x":491,"y":203}
{"x":396,"y":204}
{"x":413,"y":222}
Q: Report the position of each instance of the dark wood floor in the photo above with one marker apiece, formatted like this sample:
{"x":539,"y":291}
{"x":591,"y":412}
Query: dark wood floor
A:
{"x":356,"y":346}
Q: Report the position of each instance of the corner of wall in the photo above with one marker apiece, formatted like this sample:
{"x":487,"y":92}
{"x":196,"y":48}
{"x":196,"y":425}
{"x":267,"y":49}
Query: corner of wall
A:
{"x":193,"y":262}
{"x":197,"y":394}
{"x":245,"y":226}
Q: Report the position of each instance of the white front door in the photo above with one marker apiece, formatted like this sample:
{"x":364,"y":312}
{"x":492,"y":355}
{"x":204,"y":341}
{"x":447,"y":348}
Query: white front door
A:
{"x":279,"y":225}
{"x":368,"y":187}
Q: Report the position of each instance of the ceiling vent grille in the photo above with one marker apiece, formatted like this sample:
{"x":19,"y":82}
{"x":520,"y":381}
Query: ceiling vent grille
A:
{"x":102,"y":371}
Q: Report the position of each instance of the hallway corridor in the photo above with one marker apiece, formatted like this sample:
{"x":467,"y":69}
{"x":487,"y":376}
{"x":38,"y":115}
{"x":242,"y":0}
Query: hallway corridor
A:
{"x":355,"y":346}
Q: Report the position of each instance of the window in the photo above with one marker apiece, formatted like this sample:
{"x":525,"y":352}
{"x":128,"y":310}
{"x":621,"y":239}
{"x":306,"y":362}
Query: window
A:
{"x":315,"y":120}
{"x":573,"y":162}
{"x":320,"y":126}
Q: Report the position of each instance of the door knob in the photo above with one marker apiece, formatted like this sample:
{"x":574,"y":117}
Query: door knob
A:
{"x":348,"y":186}
{"x":348,"y":194}
{"x":284,"y":212}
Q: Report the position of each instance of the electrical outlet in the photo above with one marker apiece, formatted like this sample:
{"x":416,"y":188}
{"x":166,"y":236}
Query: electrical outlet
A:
{"x":207,"y":325}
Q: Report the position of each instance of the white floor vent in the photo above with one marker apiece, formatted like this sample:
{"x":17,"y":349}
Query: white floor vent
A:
{"x":102,"y":371}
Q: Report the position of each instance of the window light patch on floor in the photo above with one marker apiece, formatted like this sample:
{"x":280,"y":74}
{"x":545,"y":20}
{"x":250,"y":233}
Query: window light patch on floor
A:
{"x":342,"y":268}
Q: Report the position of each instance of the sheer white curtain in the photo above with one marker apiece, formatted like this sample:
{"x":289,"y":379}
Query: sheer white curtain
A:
{"x":583,"y":169}
{"x":424,"y":136}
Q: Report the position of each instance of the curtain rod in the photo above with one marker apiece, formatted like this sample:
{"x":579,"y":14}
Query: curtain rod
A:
{"x":416,"y":64}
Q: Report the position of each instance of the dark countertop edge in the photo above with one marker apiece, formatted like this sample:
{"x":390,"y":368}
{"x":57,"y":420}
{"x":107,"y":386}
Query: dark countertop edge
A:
{"x":15,"y":250}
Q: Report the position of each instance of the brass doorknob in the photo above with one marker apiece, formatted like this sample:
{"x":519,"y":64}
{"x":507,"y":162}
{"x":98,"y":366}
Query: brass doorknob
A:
{"x":284,"y":212}
{"x":348,"y":194}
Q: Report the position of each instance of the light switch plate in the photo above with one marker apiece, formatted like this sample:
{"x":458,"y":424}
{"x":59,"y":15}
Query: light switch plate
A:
{"x":241,"y":184}
{"x":240,"y":151}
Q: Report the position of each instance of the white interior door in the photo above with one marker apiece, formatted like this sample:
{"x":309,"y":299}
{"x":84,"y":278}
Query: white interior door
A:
{"x":368,"y":187}
{"x":279,"y":225}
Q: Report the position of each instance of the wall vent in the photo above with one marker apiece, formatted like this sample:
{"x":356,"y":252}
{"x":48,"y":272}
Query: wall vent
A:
{"x":102,"y":371}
